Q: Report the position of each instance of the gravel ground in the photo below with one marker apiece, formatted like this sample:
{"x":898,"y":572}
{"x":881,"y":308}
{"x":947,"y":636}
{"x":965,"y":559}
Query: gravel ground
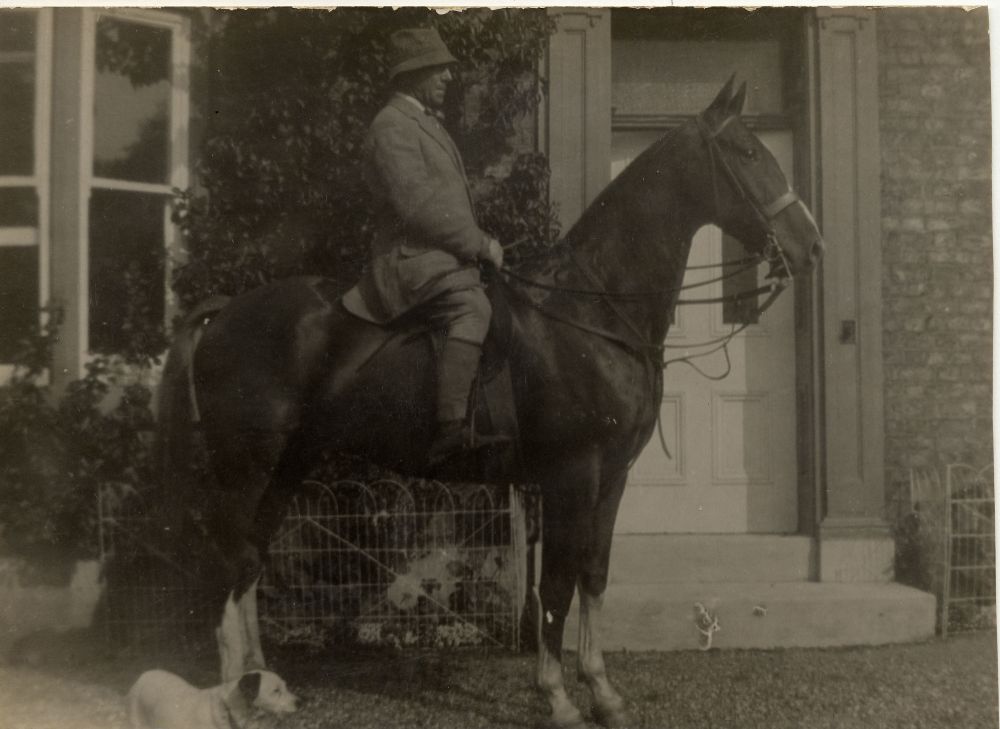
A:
{"x":949,"y":683}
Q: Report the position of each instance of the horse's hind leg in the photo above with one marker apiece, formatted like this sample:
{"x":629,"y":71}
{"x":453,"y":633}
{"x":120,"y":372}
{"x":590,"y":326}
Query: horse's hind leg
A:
{"x":297,"y":458}
{"x":244,"y":464}
{"x":609,"y":709}
{"x":233,"y":640}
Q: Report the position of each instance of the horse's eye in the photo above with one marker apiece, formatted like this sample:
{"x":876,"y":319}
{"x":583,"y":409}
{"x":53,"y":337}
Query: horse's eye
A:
{"x":750,"y":154}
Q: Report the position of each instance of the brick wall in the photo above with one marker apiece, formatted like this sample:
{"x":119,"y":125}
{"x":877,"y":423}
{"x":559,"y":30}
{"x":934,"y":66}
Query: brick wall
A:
{"x":934,"y":84}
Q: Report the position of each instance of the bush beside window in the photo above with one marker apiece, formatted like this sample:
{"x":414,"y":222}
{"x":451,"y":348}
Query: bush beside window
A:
{"x":280,"y":193}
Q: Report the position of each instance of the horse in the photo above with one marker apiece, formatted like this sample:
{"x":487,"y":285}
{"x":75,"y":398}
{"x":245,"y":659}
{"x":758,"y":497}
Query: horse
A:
{"x":281,"y":373}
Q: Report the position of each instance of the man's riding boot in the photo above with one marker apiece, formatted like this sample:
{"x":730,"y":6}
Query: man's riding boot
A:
{"x":450,"y":439}
{"x":456,"y":372}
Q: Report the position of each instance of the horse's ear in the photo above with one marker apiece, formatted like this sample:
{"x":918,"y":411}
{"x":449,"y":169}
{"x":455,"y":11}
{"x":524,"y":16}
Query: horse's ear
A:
{"x":736,"y":103}
{"x":722,"y":99}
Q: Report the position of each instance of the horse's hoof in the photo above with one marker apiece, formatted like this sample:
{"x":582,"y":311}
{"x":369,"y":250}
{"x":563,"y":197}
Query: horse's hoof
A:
{"x":611,"y":717}
{"x":565,"y":720}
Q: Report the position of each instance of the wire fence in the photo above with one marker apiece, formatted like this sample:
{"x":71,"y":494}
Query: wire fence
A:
{"x":420,"y":564}
{"x":156,"y":591}
{"x":969,"y":594}
{"x":946,"y":543}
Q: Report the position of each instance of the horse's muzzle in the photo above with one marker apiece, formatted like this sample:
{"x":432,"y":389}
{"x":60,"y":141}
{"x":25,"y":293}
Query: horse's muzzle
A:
{"x":817,"y":251}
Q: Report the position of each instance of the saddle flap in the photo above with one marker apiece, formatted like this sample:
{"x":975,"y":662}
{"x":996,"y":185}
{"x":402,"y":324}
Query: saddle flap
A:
{"x":358,"y":305}
{"x":500,"y":336}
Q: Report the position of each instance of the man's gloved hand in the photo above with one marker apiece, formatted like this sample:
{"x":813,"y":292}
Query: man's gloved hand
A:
{"x":493,"y":253}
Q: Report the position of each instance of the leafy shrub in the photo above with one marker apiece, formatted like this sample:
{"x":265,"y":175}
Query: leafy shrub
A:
{"x":55,"y":456}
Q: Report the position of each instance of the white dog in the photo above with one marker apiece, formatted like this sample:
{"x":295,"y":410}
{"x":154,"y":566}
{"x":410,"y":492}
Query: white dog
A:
{"x":162,"y":700}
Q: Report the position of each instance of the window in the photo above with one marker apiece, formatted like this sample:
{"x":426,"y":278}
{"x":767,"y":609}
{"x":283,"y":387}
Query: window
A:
{"x":138,"y":66}
{"x":669,"y":62}
{"x":25,"y":48}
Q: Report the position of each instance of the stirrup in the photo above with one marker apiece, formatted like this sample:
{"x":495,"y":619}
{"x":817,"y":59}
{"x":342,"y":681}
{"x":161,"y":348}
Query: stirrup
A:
{"x":449,"y":444}
{"x":482,"y":440}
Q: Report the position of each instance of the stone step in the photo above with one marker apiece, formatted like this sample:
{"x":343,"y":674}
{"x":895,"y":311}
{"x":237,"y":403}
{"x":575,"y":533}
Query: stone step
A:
{"x":659,"y":558}
{"x":647,"y":617}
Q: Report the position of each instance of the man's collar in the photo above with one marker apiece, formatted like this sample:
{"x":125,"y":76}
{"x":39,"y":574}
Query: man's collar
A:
{"x":413,"y":100}
{"x":421,"y":107}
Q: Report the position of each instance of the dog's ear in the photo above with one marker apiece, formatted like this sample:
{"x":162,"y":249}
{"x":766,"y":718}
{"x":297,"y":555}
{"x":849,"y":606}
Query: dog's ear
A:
{"x":249,"y":686}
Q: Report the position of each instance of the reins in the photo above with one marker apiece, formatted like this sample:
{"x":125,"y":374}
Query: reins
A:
{"x":653,"y":293}
{"x":640,"y":344}
{"x":637,"y":341}
{"x":772,"y":253}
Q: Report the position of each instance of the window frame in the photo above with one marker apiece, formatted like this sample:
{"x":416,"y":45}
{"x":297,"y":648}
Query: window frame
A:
{"x":37,"y":236}
{"x":178,"y":163}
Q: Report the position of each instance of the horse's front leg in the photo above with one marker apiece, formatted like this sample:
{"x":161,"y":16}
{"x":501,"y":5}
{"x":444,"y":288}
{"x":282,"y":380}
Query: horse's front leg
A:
{"x":609,"y":708}
{"x":557,"y":594}
{"x":567,"y":501}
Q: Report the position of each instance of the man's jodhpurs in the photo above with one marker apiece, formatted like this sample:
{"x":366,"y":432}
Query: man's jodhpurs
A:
{"x":465,"y":314}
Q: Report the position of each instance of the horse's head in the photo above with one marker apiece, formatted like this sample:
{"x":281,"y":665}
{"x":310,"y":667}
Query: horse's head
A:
{"x":751,"y":197}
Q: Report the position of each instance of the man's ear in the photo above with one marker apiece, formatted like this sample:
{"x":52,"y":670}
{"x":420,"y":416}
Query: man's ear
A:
{"x":249,"y":686}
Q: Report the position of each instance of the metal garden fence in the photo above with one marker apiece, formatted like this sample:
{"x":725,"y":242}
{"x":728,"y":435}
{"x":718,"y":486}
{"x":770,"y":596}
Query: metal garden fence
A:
{"x":155,"y":593}
{"x":954,"y":537}
{"x":969,"y":596}
{"x":388,"y":563}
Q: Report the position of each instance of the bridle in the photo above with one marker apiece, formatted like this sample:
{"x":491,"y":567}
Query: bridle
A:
{"x":766,"y":213}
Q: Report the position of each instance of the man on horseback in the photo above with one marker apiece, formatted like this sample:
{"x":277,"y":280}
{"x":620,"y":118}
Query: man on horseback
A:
{"x":428,"y":244}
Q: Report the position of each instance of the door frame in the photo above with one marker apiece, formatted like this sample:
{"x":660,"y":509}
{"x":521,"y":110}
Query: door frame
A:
{"x":581,"y":46}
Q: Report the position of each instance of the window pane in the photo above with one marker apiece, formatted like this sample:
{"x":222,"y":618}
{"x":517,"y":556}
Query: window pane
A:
{"x":18,"y":297}
{"x":674,"y":60}
{"x":126,"y":266}
{"x":629,"y":144}
{"x":132,"y":101}
{"x":17,"y":30}
{"x":17,"y":91}
{"x":18,"y":207}
{"x":651,"y":76}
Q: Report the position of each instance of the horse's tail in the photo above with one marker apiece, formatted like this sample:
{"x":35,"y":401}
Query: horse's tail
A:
{"x":178,"y":412}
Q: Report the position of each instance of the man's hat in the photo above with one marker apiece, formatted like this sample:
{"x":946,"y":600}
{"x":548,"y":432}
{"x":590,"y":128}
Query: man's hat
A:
{"x":415,"y":48}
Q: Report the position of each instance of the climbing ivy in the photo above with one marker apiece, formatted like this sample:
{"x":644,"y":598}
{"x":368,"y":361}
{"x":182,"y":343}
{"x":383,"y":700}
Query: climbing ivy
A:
{"x":293,"y":93}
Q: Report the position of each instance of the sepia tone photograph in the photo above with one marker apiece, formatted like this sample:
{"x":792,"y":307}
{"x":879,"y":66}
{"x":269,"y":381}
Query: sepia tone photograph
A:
{"x":623,"y":367}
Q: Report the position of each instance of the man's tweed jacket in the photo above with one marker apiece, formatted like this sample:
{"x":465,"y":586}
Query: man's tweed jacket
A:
{"x":427,"y":240}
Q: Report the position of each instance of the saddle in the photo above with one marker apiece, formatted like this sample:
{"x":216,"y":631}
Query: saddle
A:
{"x":495,"y":347}
{"x":492,"y":407}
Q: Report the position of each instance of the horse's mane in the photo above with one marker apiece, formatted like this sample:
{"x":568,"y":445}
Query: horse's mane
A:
{"x":619,"y":188}
{"x":629,"y":178}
